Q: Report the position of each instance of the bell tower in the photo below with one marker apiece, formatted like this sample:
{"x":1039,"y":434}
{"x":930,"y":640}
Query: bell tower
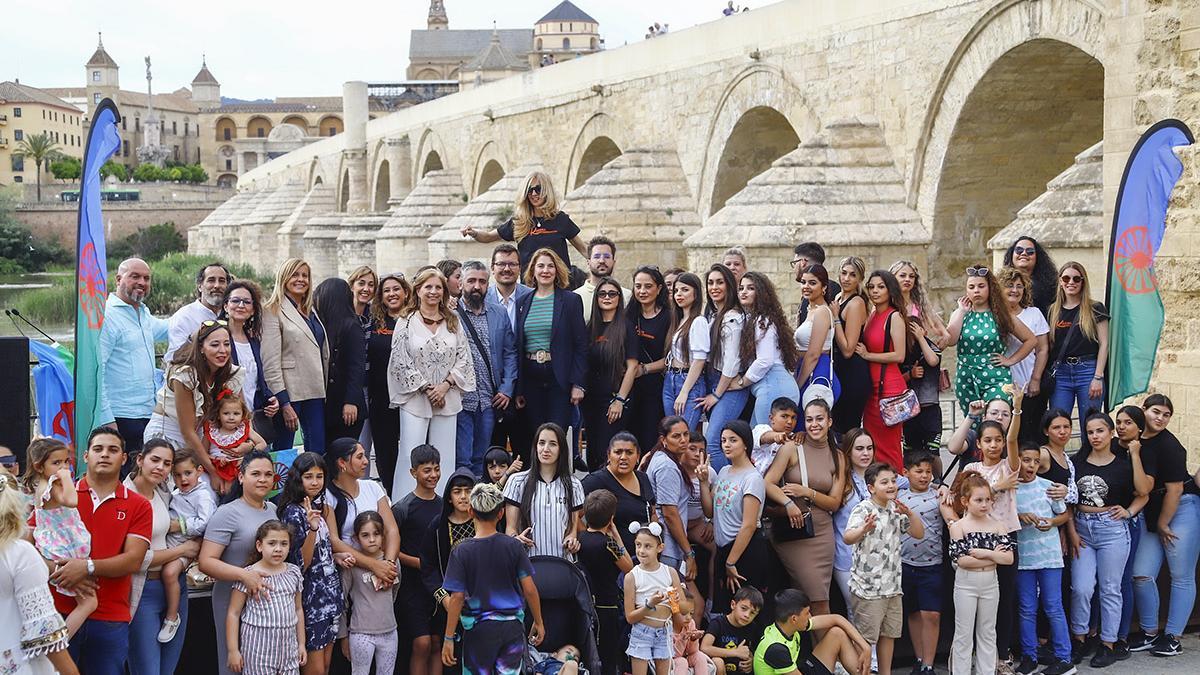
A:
{"x":437,"y":15}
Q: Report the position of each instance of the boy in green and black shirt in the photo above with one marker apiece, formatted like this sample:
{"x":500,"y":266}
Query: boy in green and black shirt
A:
{"x":782,"y":650}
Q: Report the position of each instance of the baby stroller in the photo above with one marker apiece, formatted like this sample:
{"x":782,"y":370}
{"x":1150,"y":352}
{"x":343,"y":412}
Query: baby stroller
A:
{"x":567,"y":610}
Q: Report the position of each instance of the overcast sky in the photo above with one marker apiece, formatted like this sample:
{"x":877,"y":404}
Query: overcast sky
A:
{"x":269,"y":49}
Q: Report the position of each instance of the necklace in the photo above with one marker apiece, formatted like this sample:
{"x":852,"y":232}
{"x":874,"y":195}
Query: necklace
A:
{"x":430,"y":322}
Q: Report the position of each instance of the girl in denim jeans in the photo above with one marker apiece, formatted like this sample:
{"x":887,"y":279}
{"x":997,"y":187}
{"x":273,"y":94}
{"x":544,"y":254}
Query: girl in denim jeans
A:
{"x":1078,"y":343}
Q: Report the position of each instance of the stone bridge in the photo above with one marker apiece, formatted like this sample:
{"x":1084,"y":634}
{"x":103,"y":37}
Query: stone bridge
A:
{"x":933,"y":130}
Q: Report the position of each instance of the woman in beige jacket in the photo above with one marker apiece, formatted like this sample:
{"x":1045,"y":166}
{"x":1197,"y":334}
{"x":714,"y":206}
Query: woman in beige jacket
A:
{"x":295,"y":355}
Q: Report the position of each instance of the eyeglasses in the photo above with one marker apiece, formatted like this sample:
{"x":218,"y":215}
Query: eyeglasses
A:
{"x":608,"y":295}
{"x":535,"y":189}
{"x":505,"y":265}
{"x":601,"y":256}
{"x":1071,"y":279}
{"x":1022,"y":250}
{"x":8,"y":460}
{"x":797,"y":261}
{"x":977,"y":271}
{"x":218,"y":322}
{"x":240,"y":302}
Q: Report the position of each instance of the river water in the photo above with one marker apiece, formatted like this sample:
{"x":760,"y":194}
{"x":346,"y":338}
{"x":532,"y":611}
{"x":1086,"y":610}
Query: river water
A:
{"x":11,"y":289}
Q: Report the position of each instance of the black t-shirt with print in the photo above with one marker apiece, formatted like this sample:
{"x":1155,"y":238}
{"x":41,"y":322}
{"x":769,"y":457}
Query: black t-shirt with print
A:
{"x":552,"y":234}
{"x":647,"y":338}
{"x":728,"y":636}
{"x":1069,"y":342}
{"x":1104,"y":485}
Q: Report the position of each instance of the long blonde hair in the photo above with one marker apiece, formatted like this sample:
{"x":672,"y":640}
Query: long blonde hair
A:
{"x":414,"y":299}
{"x":860,"y":268}
{"x":1087,"y":319}
{"x":279,"y":293}
{"x":523,"y":211}
{"x":12,"y":511}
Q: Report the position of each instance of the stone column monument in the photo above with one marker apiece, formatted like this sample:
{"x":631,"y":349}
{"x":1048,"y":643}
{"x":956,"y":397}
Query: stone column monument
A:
{"x":354,"y":111}
{"x":152,"y":151}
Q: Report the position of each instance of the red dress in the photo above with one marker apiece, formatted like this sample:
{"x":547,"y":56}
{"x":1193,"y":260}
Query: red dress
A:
{"x":888,"y":440}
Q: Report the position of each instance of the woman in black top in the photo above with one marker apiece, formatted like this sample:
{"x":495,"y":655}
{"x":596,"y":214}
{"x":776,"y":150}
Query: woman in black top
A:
{"x":390,"y":296}
{"x":345,"y":404}
{"x":537,"y":223}
{"x":604,"y":401}
{"x":1027,"y":255}
{"x":645,"y":354}
{"x":852,"y":370}
{"x":632,"y":488}
{"x":1078,"y":343}
{"x":1173,"y":513}
{"x":1112,"y":489}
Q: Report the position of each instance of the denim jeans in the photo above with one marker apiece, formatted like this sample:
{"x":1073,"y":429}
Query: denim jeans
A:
{"x":148,"y":656}
{"x":1181,"y":562}
{"x":474,"y":437}
{"x":823,"y":373}
{"x":100,"y":647}
{"x":1135,"y":535}
{"x":672,"y":384}
{"x":312,"y":423}
{"x":728,"y":408}
{"x":1047,"y":584}
{"x":777,"y":382}
{"x":1071,"y":382}
{"x":1101,"y":559}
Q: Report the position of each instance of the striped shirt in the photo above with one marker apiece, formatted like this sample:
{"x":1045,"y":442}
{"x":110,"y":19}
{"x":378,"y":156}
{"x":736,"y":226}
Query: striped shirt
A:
{"x":276,"y":609}
{"x":549,"y":511}
{"x":538,"y":324}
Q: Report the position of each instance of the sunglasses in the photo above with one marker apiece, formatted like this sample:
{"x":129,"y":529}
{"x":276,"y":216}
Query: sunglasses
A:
{"x":1071,"y":279}
{"x":218,"y":322}
{"x":977,"y":271}
{"x":1022,"y":250}
{"x":535,"y":189}
{"x":8,"y":460}
{"x":608,"y":295}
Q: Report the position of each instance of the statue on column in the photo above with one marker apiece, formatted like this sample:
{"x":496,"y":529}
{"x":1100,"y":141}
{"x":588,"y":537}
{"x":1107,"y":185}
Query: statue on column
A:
{"x":151,"y":151}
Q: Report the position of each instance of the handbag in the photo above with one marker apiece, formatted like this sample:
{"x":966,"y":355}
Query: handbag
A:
{"x":944,"y":383}
{"x":902,"y":407}
{"x":1050,"y":373}
{"x":781,"y":526}
{"x":815,"y":389}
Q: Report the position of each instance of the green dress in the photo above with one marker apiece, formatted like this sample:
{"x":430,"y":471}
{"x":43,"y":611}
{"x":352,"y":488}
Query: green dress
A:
{"x":977,"y":379}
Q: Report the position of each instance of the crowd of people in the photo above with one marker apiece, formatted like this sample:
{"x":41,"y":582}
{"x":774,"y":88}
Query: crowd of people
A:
{"x":727,"y":480}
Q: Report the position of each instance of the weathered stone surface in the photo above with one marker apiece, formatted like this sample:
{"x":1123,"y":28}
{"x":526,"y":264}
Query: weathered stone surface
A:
{"x":356,"y":241}
{"x":204,"y":236}
{"x":260,"y":247}
{"x":320,"y":242}
{"x":403,"y":238}
{"x":290,"y":235}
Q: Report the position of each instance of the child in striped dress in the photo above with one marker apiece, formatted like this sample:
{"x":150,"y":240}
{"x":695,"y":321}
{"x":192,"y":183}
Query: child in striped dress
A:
{"x":264,"y":632}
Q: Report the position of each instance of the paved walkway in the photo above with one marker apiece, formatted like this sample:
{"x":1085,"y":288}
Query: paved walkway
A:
{"x":1145,"y":664}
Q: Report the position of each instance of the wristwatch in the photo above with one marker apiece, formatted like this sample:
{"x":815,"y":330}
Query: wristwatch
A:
{"x":91,"y":567}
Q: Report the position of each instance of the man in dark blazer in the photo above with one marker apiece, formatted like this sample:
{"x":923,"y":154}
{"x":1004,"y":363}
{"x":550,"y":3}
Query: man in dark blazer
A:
{"x":494,"y":352}
{"x":506,"y":290}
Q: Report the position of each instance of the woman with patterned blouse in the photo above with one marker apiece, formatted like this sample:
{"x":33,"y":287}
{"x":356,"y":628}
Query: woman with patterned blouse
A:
{"x":429,"y":371}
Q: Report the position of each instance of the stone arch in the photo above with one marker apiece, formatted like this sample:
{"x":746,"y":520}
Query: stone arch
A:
{"x":431,"y":154}
{"x":760,"y":136}
{"x":428,"y":74}
{"x":383,"y":189}
{"x":759,"y":86}
{"x":330,"y":125}
{"x":227,"y":180}
{"x":489,"y":168}
{"x":258,"y":127}
{"x":973,"y":170}
{"x":297,"y":121}
{"x":223,"y":125}
{"x":343,"y":198}
{"x":600,"y":128}
{"x":315,"y":176}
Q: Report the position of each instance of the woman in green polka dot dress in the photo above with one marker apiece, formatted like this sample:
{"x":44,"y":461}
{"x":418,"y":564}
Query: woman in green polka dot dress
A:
{"x":979,"y":326}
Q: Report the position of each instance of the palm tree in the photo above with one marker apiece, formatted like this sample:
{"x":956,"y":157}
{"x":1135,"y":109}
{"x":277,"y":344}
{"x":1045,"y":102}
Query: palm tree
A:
{"x":41,"y":150}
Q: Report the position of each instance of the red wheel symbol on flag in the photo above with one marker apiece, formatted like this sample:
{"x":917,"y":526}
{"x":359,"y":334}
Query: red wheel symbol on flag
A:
{"x":281,"y":475}
{"x":93,"y":290}
{"x":1134,"y":261}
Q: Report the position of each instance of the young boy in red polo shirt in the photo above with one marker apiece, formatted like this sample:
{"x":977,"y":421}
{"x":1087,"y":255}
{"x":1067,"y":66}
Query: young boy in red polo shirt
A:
{"x":120,"y":522}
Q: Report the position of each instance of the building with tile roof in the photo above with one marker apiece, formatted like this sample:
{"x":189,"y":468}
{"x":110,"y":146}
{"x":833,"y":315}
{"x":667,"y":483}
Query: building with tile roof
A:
{"x":28,"y":111}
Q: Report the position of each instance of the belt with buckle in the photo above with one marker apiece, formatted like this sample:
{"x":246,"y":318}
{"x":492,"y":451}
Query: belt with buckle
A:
{"x":1074,"y":360}
{"x":540,"y":356}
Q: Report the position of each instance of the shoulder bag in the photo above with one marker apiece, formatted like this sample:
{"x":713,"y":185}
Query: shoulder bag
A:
{"x":902,"y":407}
{"x":781,"y":526}
{"x":483,"y":352}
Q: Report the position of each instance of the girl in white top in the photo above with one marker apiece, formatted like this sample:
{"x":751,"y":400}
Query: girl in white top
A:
{"x":814,"y":337}
{"x":430,"y":369}
{"x":770,"y":356}
{"x":728,"y":396}
{"x":653,"y":594}
{"x":684,"y":388}
{"x":1018,"y":292}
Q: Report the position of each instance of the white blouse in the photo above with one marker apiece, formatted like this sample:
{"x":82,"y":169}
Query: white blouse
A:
{"x":729,"y":361}
{"x":698,"y":343}
{"x":423,"y":358}
{"x":32,"y":627}
{"x":766,"y":352}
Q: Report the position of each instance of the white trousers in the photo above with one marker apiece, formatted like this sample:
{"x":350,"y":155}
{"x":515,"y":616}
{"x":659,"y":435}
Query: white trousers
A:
{"x":440,"y":431}
{"x":976,"y":599}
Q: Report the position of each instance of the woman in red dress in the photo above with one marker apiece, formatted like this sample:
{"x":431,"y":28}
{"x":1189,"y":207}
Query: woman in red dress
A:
{"x":885,"y":338}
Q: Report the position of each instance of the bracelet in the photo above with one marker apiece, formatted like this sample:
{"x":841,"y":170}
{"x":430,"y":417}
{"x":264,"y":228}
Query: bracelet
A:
{"x":450,"y":638}
{"x":1016,"y":413}
{"x":1097,"y":377}
{"x":730,"y":565}
{"x":691,"y":553}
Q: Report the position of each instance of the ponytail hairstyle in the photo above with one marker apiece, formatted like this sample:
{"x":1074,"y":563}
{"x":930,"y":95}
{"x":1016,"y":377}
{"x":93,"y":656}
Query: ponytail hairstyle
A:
{"x":264,"y":530}
{"x":964,"y":484}
{"x":1158,"y":399}
{"x":212,"y":414}
{"x":664,"y":428}
{"x":1135,"y":415}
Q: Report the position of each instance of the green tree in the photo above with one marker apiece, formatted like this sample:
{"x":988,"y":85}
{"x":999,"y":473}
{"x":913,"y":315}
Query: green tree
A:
{"x":41,"y":150}
{"x":67,"y":168}
{"x":147,"y":173}
{"x":111,"y":168}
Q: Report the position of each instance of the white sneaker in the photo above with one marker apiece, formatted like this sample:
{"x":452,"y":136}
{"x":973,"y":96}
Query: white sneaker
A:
{"x":169,"y":627}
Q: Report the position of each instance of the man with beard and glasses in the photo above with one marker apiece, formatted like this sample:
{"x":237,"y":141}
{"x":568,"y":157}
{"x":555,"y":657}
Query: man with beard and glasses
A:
{"x":602,"y":260}
{"x":494,"y":352}
{"x":506,"y":291}
{"x":130,"y":379}
{"x":211,"y":281}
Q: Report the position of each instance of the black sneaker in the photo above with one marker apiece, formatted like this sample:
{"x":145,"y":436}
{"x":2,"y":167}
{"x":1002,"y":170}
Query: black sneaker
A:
{"x":1027,"y":666}
{"x":1141,"y":642}
{"x":917,"y":668}
{"x":1090,"y":644}
{"x":1121,"y":650}
{"x":1167,"y":646}
{"x":1077,"y":654}
{"x":1045,"y":656}
{"x":1060,"y":668}
{"x":928,"y":670}
{"x":1104,"y":657}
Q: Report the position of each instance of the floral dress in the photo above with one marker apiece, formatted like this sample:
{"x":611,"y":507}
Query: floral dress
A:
{"x":60,"y":533}
{"x":322,"y":595}
{"x":978,"y":379}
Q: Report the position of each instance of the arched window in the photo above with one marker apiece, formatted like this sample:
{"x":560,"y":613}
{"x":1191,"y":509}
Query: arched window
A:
{"x":566,"y":43}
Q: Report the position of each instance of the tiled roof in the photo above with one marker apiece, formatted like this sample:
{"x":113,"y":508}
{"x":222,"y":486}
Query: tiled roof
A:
{"x":101,"y":58}
{"x":495,"y":57}
{"x":204,"y":76}
{"x":177,"y":101}
{"x":12,"y":92}
{"x":464,"y":45}
{"x":567,"y":11}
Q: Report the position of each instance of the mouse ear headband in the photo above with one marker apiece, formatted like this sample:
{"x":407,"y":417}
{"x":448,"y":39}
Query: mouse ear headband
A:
{"x":653,"y":528}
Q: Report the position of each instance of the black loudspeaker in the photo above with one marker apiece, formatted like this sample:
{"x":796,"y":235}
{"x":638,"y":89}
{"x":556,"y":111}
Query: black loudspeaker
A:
{"x":16,"y":422}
